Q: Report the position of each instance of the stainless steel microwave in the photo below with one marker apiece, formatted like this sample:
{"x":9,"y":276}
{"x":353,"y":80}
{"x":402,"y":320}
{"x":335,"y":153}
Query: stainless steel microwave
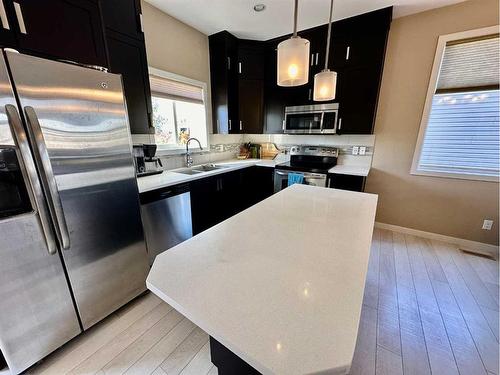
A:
{"x":311,"y":119}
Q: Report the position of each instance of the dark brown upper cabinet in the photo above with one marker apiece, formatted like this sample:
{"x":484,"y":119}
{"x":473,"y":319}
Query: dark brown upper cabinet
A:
{"x":251,"y":58}
{"x":7,"y":24}
{"x":57,"y":29}
{"x":223,"y":48}
{"x":357,"y":52}
{"x":127,"y":56}
{"x":250,"y":106}
{"x":124,"y":17}
{"x":106,"y":33}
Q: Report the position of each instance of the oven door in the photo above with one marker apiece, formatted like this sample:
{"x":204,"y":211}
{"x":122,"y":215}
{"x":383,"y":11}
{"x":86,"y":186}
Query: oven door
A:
{"x":281,"y":179}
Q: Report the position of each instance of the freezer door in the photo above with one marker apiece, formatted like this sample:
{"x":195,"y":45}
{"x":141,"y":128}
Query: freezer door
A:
{"x":37,"y":314}
{"x":78,"y":126}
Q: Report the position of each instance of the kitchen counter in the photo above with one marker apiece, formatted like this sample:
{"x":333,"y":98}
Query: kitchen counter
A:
{"x":171,"y":177}
{"x":353,"y":170}
{"x":280,"y":284}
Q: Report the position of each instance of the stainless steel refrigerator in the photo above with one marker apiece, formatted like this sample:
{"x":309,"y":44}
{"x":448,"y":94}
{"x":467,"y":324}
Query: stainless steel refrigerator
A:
{"x":71,"y":242}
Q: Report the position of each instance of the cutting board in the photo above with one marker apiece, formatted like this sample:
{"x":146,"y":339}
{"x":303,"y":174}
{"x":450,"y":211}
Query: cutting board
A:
{"x":268,"y":150}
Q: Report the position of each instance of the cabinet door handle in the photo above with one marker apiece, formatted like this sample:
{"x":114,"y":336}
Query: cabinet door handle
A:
{"x":312,"y":59}
{"x":228,"y":63}
{"x":340,"y":123}
{"x":229,"y":124}
{"x":3,"y":16}
{"x":317,"y":57}
{"x":20,"y":18}
{"x":239,"y":67}
{"x":310,"y":92}
{"x":241,"y":125}
{"x":141,"y":23}
{"x":347,"y":52}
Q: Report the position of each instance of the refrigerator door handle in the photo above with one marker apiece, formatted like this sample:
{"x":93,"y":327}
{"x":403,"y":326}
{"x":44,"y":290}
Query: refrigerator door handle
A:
{"x":29,"y":168}
{"x":48,"y":179}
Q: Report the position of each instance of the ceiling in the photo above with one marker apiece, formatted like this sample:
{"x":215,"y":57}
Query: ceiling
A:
{"x":239,"y":18}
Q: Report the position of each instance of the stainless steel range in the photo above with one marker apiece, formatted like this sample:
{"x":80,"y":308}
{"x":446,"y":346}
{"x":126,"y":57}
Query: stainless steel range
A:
{"x":310,"y":162}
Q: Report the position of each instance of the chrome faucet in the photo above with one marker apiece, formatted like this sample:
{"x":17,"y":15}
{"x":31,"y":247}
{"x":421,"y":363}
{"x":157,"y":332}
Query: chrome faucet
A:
{"x":189,"y":159}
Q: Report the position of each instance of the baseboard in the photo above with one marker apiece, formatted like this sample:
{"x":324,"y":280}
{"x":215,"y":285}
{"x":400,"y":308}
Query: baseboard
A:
{"x":472,"y":246}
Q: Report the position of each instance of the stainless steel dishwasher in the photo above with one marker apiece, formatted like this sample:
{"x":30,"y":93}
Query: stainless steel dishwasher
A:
{"x":166,"y":216}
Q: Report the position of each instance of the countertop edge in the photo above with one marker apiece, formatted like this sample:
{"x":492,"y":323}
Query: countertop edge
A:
{"x":180,"y":178}
{"x":234,"y":165}
{"x":263,"y":370}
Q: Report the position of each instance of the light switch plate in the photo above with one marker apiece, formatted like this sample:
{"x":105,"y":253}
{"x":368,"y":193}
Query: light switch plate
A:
{"x":362,"y":150}
{"x":355,"y":150}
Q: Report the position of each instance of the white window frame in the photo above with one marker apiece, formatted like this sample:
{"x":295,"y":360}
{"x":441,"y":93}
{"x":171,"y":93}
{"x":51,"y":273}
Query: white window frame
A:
{"x":436,"y":68}
{"x":193,"y":146}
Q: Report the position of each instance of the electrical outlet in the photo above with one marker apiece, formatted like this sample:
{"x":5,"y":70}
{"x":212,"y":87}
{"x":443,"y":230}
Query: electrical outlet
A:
{"x":487,"y":224}
{"x":355,"y":150}
{"x":362,"y":150}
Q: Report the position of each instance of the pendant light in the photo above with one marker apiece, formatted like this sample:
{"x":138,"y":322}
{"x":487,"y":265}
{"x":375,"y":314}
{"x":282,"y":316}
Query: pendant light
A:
{"x":325,"y":82}
{"x":293,"y":58}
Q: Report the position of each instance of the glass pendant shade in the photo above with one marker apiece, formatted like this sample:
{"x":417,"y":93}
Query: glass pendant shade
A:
{"x":293,"y":62}
{"x":325,"y":84}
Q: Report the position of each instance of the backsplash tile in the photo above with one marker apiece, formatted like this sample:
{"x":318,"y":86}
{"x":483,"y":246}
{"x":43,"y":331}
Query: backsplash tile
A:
{"x":227,"y":146}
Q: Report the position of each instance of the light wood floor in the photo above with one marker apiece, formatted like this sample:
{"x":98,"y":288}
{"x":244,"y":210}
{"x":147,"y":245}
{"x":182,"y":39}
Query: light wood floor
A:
{"x":428,"y":309}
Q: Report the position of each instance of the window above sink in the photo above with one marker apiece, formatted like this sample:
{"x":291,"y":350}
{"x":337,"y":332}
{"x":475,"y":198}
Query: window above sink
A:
{"x":180,"y":111}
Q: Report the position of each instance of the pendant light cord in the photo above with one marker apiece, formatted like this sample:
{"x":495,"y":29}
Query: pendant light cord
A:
{"x":295,"y":18}
{"x":329,"y":35}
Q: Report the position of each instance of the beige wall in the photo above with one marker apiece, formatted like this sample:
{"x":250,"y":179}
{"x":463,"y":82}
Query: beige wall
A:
{"x":174,"y":46}
{"x":441,"y":205}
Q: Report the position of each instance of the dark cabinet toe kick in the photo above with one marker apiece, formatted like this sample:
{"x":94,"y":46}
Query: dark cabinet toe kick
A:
{"x":227,"y":362}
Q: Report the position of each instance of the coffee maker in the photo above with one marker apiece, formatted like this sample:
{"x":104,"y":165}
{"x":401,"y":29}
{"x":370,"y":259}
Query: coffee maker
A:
{"x":146,"y":163}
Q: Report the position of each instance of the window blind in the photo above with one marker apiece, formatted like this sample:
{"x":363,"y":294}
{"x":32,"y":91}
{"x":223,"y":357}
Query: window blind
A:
{"x":470,"y":65}
{"x":175,"y":90}
{"x":463,"y":134}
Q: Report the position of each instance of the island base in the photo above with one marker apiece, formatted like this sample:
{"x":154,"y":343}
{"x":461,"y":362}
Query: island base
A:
{"x":227,"y":362}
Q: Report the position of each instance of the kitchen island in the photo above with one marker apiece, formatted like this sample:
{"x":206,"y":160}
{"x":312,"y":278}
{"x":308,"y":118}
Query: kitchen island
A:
{"x":279,"y":286}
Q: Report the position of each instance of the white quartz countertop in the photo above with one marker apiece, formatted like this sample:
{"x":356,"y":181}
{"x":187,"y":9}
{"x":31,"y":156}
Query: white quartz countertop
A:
{"x":171,"y":177}
{"x":279,"y":284}
{"x":353,"y":170}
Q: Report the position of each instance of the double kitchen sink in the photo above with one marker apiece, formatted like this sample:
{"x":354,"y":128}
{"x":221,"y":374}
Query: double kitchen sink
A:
{"x":200,"y":169}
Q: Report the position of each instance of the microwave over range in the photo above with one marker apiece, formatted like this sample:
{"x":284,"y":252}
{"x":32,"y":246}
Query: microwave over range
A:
{"x":311,"y":119}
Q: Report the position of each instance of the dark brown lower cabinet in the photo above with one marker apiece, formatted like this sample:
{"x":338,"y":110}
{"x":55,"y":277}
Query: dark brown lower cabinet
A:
{"x":213,"y":199}
{"x":347,"y":182}
{"x":216,"y":198}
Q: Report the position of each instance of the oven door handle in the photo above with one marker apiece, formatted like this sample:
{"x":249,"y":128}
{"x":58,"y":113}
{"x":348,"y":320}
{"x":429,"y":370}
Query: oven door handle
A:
{"x":315,"y":177}
{"x":321,"y":122}
{"x":281,"y":173}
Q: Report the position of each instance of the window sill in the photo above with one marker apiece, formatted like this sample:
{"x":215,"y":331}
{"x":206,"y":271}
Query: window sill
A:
{"x":456,"y":176}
